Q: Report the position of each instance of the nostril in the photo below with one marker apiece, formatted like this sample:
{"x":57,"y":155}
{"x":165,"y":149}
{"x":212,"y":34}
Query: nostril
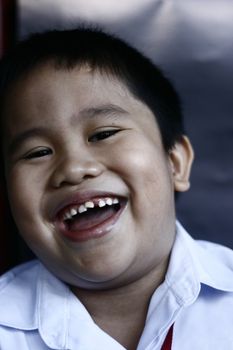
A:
{"x":75,"y":172}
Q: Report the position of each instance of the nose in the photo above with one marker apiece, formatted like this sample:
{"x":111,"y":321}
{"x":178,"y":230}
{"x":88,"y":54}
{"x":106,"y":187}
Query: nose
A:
{"x":74,"y":169}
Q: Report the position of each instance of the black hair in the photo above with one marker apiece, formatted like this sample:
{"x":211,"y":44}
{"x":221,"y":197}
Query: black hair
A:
{"x":103,"y":52}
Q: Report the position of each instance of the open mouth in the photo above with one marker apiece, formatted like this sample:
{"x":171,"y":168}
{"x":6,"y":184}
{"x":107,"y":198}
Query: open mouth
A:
{"x":91,"y":219}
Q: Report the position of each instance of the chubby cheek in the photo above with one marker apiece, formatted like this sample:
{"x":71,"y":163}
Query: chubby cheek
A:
{"x":25,"y":201}
{"x":24,"y":196}
{"x":145,"y":169}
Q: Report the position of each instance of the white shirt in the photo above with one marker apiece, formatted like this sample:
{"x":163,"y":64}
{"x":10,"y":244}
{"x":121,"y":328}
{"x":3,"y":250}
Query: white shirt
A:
{"x":39,"y":312}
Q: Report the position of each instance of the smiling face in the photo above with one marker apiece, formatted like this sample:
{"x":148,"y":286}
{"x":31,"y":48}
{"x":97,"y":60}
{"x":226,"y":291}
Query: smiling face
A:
{"x":90,"y":186}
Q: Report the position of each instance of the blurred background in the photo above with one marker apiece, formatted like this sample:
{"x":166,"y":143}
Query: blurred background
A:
{"x":192,"y":41}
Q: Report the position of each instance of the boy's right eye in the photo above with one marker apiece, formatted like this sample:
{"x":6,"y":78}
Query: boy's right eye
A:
{"x":38,"y":153}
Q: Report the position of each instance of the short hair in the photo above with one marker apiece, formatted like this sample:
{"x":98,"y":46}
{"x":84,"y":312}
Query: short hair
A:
{"x":66,"y":49}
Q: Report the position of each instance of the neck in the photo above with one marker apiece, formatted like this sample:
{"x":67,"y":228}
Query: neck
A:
{"x":121,"y":312}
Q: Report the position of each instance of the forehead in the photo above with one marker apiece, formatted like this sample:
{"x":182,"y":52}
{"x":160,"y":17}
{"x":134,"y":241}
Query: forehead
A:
{"x":56,"y":100}
{"x":46,"y":81}
{"x":49,"y":74}
{"x":48,"y":88}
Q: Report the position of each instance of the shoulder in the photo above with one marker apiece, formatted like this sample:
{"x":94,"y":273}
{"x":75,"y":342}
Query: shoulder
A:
{"x":221,"y":252}
{"x":215,"y":263}
{"x":17,"y":294}
{"x":212,"y":263}
{"x":18,"y":274}
{"x":205,"y":322}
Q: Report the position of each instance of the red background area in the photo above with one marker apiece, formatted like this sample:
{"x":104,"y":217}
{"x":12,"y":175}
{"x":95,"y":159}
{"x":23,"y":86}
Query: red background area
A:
{"x":7,"y":37}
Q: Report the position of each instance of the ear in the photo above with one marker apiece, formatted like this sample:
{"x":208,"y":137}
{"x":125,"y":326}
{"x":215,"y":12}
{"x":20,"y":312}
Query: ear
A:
{"x":181,"y":158}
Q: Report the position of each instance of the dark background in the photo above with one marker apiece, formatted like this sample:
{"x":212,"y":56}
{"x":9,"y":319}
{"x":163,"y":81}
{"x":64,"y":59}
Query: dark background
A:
{"x":192,"y":41}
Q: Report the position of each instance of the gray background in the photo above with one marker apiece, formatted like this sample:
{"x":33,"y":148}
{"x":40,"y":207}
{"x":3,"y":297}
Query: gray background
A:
{"x":192,"y":40}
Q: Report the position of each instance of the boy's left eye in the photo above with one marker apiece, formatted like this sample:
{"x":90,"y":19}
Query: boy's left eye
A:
{"x":104,"y":134}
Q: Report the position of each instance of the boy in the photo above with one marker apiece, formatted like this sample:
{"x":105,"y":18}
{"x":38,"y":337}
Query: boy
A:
{"x":94,"y":150}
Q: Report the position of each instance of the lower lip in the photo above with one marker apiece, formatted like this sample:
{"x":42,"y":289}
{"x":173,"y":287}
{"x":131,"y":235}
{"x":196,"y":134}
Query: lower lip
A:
{"x":94,"y":232}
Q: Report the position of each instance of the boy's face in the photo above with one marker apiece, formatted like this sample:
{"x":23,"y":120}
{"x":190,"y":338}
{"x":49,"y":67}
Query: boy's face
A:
{"x":73,"y":137}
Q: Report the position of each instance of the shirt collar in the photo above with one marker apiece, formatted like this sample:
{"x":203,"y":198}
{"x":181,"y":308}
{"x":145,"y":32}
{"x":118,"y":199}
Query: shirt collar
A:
{"x":17,"y":303}
{"x":52,"y":309}
{"x":182,"y":277}
{"x":190,"y":266}
{"x":64,"y":322}
{"x":212,"y":264}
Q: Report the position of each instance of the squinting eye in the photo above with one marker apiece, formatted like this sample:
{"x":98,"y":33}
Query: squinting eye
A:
{"x":38,"y":153}
{"x":103,"y":135}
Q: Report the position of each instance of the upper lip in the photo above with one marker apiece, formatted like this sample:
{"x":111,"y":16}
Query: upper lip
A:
{"x":80,"y":198}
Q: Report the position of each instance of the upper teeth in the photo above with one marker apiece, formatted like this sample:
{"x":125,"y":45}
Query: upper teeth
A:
{"x":73,"y":212}
{"x":88,"y":205}
{"x":81,"y":209}
{"x":102,"y":203}
{"x":109,"y":201}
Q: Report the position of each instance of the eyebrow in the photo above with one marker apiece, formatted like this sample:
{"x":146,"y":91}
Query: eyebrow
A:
{"x":105,"y":110}
{"x":92,"y":112}
{"x":27,"y":134}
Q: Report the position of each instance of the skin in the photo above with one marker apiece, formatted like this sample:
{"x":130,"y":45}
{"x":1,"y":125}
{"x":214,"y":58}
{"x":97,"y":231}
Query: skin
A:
{"x":128,"y":263}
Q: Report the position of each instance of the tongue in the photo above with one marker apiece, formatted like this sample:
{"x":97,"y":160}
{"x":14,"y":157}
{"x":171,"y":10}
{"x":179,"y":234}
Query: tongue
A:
{"x":91,"y":218}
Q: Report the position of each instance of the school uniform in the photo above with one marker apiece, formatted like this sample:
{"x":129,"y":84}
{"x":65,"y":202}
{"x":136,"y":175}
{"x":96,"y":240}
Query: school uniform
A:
{"x":39,"y":312}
